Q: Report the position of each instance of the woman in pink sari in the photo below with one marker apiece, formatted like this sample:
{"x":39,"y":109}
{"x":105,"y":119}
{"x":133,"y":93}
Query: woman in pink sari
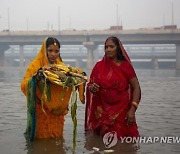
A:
{"x":113,"y":93}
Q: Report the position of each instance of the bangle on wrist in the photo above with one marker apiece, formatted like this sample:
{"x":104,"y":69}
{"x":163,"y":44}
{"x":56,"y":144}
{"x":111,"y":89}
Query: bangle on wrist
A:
{"x":134,"y":104}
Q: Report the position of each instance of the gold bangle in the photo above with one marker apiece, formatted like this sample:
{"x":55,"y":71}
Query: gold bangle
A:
{"x":134,"y":104}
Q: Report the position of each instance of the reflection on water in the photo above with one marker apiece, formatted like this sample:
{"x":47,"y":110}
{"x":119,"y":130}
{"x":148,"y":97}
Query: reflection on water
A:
{"x":45,"y":146}
{"x":157,"y":115}
{"x":94,"y":143}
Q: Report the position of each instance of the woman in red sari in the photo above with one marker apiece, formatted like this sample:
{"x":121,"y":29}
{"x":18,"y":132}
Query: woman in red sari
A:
{"x":113,"y":93}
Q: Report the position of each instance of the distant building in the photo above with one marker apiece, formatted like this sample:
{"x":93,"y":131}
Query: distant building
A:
{"x":170,"y":27}
{"x":116,"y":28}
{"x":165,"y":27}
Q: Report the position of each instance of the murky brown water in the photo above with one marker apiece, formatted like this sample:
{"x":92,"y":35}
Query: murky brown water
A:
{"x":157,"y":115}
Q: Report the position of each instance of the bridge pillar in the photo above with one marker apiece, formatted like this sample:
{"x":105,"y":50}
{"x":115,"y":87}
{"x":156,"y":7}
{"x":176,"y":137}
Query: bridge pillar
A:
{"x":90,"y":55}
{"x":1,"y":58}
{"x":78,"y":62}
{"x":178,"y":56}
{"x":78,"y":59}
{"x":3,"y":48}
{"x":155,"y":63}
{"x":21,"y":56}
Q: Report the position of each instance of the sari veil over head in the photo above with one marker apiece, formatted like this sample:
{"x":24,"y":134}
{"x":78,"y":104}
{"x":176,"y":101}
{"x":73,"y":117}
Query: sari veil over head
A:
{"x":111,"y":102}
{"x":45,"y":115}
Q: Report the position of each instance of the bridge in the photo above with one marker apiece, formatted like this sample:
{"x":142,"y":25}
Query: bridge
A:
{"x":91,"y":40}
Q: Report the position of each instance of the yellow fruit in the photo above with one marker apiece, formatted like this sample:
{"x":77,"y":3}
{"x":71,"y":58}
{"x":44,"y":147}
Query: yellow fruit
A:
{"x":49,"y":74}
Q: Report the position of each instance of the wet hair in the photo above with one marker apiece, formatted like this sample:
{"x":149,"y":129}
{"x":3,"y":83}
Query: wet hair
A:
{"x":52,"y":40}
{"x":119,"y":51}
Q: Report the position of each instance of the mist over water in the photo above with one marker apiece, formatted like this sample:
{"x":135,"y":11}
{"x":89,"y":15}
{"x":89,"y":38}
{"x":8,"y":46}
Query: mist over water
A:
{"x":157,"y":115}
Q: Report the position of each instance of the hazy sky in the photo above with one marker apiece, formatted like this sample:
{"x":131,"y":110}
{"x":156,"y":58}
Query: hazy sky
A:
{"x":87,"y":14}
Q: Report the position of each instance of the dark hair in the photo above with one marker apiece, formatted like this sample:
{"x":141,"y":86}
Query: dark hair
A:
{"x":52,"y":40}
{"x":119,"y":51}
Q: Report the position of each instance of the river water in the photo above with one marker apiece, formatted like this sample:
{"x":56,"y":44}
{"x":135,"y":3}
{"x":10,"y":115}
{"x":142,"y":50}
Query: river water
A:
{"x":158,"y":115}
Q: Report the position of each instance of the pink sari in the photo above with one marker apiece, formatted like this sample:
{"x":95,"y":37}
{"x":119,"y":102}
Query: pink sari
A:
{"x":106,"y":110}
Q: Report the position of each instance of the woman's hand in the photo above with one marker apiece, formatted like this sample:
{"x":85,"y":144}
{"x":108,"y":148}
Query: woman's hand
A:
{"x":94,"y":88}
{"x":39,"y":74}
{"x":130,"y":117}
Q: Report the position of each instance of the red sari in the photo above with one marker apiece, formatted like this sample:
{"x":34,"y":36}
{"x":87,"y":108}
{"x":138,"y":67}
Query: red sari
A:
{"x":106,"y":109}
